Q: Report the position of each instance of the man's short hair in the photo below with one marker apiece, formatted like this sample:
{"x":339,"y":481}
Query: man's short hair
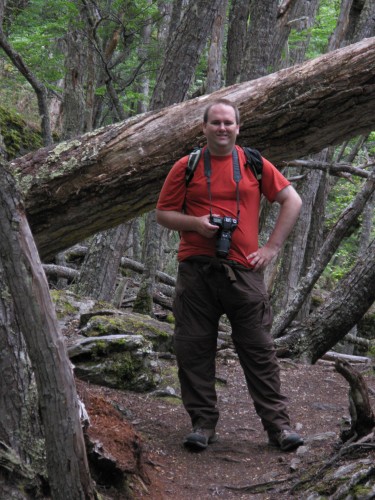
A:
{"x":226,"y":102}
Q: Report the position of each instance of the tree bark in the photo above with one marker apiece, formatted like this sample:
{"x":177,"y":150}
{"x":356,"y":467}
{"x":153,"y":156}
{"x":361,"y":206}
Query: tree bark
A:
{"x":330,"y":322}
{"x":257,"y":54}
{"x":172,"y":85}
{"x":22,"y":449}
{"x":330,"y":245}
{"x":112,"y":175}
{"x":74,"y":101}
{"x":291,"y":16}
{"x":67,"y":464}
{"x":186,"y":46}
{"x":100,"y":267}
{"x":215,"y":53}
{"x":294,"y":256}
{"x":361,"y":22}
{"x":143,"y":303}
{"x":362,"y":416}
{"x":237,"y":28}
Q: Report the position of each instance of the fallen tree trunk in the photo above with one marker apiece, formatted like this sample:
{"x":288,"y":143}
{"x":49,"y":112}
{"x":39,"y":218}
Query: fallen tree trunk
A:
{"x":56,"y":271}
{"x":138,"y":267}
{"x":111,"y":175}
{"x":330,"y":322}
{"x":350,"y":358}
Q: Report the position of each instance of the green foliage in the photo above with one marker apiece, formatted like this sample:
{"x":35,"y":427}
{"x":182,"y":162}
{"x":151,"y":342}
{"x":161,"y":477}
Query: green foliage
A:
{"x":37,"y":32}
{"x":339,"y":199}
{"x":371,"y":144}
{"x":324,"y":26}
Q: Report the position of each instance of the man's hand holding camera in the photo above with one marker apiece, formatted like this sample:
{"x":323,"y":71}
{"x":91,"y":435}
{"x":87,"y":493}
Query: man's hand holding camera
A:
{"x":205,"y":227}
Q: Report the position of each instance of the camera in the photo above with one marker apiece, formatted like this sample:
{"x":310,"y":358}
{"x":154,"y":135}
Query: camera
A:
{"x":224,"y":235}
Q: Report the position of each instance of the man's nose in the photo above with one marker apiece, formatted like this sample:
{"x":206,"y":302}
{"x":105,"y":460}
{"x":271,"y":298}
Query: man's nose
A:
{"x":222,"y":125}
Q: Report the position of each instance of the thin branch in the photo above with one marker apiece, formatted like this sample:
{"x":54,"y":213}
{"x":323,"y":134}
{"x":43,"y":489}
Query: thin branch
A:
{"x":336,"y":169}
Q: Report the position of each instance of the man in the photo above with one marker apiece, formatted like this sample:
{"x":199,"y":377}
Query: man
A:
{"x":209,"y":286}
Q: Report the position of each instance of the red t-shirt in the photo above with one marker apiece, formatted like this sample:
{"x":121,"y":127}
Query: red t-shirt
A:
{"x":223,"y":202}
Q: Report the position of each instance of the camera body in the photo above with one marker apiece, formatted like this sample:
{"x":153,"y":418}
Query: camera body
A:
{"x":224,"y":235}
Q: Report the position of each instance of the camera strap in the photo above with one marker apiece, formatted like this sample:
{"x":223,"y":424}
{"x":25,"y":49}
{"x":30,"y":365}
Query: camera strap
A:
{"x":236,"y":176}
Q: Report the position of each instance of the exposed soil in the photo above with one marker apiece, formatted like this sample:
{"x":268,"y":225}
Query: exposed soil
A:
{"x":241,"y":459}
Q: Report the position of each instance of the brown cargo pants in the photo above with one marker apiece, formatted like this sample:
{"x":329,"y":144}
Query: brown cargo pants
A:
{"x":205,"y":290}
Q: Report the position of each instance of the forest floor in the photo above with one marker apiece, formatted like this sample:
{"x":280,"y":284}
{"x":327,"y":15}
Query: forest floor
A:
{"x":240,"y":464}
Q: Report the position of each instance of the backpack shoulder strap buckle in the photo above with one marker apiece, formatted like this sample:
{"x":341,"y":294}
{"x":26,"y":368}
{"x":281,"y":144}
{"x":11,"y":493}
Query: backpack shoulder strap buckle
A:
{"x":192,"y":164}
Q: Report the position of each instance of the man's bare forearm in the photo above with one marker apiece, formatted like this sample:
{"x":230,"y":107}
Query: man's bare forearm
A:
{"x":182,"y":222}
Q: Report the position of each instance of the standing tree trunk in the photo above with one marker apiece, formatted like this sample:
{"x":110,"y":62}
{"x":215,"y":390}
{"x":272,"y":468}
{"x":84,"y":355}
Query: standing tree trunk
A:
{"x":186,"y":46}
{"x":265,"y":21}
{"x":215,"y":54}
{"x":100,"y":266}
{"x":67,"y":464}
{"x":366,"y":23}
{"x":22,"y":448}
{"x":73,"y":105}
{"x":236,"y":38}
{"x":99,"y":269}
{"x":330,"y":322}
{"x":361,"y":21}
{"x":295,"y":257}
{"x":291,"y":15}
{"x":330,"y":245}
{"x":171,"y":86}
{"x":144,"y":300}
{"x":259,"y":40}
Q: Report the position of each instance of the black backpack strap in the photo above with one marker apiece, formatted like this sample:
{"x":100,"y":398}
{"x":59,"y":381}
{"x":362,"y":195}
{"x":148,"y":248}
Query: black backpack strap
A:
{"x":192,"y":164}
{"x":255,"y":162}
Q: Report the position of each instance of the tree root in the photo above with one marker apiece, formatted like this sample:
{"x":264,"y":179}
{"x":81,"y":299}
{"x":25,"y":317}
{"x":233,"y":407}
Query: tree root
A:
{"x":257,"y":488}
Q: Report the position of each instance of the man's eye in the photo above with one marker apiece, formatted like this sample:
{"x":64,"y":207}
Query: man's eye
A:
{"x":226,"y":124}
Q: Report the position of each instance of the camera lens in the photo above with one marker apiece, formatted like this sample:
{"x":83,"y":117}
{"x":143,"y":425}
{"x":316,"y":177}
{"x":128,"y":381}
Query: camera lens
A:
{"x":223,"y":244}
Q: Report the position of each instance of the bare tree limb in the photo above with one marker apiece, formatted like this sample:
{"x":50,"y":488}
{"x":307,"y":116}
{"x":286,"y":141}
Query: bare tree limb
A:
{"x":332,"y":168}
{"x":331,"y":321}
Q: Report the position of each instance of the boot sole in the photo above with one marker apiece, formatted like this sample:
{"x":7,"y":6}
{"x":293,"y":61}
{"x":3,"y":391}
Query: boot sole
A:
{"x":286,"y":447}
{"x":194,"y":445}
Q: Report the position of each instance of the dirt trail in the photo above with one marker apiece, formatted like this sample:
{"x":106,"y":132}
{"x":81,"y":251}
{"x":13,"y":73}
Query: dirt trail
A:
{"x":241,"y":459}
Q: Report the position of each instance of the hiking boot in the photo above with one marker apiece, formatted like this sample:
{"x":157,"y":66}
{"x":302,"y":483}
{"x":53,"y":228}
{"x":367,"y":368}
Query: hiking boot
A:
{"x":199,"y":439}
{"x":286,"y":439}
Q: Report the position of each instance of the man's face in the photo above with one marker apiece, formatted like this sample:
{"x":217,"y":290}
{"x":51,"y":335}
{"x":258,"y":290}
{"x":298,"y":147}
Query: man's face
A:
{"x":221,"y":129}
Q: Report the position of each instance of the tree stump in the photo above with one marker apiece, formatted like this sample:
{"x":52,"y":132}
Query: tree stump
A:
{"x":362,"y":416}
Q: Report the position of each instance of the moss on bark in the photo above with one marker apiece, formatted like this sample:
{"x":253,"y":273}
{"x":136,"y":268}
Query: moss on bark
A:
{"x":19,"y":138}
